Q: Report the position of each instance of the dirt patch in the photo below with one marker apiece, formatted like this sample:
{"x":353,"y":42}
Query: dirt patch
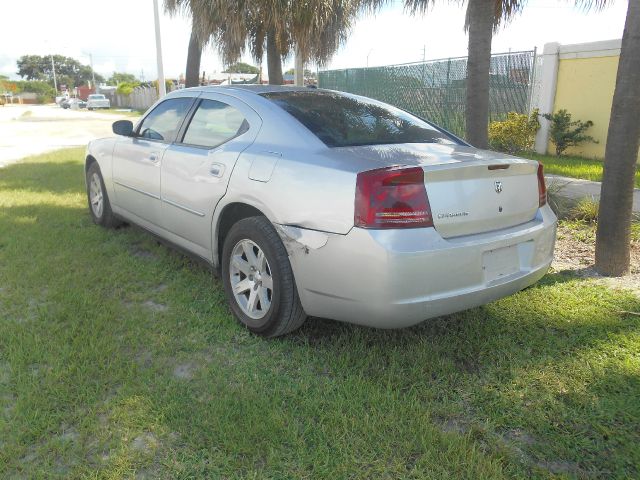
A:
{"x":69,"y":434}
{"x":184,"y":371}
{"x":575,"y":251}
{"x":142,"y":253}
{"x":453,"y":425}
{"x":156,"y":307}
{"x":560,"y":467}
{"x":144,"y":443}
{"x":518,"y":436}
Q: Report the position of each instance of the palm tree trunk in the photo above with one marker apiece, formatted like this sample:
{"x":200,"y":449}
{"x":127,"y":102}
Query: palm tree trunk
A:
{"x":194,"y":55}
{"x":274,"y":60}
{"x":623,"y":140}
{"x":480,"y":20}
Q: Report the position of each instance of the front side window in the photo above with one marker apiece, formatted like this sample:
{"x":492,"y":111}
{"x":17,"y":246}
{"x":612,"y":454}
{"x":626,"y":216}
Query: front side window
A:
{"x":213,"y":124}
{"x":343,"y":120}
{"x":164,"y":121}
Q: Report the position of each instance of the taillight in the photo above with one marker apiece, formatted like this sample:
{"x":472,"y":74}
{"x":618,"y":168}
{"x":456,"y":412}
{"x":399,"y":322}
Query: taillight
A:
{"x":542,"y":188}
{"x":392,"y":197}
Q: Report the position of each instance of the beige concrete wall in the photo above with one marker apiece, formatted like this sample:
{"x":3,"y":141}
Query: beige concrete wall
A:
{"x":586,"y":80}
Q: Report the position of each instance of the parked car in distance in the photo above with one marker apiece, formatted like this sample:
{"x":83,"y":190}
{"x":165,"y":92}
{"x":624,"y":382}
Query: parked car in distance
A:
{"x":97,"y":100}
{"x":73,"y":103}
{"x":321,"y":203}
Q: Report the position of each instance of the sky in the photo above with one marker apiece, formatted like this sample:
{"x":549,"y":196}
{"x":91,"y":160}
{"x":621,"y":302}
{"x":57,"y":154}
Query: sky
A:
{"x":119,"y":34}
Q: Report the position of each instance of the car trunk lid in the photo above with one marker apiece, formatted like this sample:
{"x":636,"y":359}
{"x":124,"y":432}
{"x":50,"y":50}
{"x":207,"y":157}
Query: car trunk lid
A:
{"x":470,"y":190}
{"x":476,"y":197}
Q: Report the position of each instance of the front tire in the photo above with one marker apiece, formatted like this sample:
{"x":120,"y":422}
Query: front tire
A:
{"x":258,"y":280}
{"x":99,"y":205}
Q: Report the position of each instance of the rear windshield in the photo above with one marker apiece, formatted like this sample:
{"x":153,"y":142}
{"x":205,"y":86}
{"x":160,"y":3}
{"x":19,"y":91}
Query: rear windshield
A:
{"x":343,"y":120}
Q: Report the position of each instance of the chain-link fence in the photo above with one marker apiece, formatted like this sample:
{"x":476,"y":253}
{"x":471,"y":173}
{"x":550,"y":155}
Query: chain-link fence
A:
{"x":436,"y":89}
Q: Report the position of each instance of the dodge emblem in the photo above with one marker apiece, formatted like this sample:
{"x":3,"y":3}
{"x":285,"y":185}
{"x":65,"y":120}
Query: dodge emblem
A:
{"x":498,"y":185}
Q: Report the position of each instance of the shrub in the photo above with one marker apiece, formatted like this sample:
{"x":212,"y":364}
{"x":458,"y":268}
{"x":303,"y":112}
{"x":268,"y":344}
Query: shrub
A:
{"x":42,"y":99}
{"x":515,"y":134}
{"x":556,"y":200}
{"x":35,"y":86}
{"x":566,"y":133}
{"x":125,"y":88}
{"x":586,"y":210}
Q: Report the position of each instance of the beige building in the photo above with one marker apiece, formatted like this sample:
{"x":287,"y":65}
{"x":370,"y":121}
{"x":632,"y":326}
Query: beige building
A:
{"x":581,"y":79}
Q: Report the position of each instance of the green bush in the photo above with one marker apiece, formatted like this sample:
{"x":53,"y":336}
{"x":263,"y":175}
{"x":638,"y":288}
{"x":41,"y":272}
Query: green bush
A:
{"x":125,"y":88}
{"x":35,"y":86}
{"x":586,"y":210}
{"x":515,"y":134}
{"x":42,"y":99}
{"x":566,"y":133}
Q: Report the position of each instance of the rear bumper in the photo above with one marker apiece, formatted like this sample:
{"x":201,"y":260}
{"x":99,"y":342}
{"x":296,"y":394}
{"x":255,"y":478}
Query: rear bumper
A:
{"x":398,"y":278}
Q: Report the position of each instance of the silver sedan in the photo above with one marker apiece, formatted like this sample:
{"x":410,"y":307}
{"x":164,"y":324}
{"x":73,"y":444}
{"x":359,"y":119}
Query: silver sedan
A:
{"x":320,"y":203}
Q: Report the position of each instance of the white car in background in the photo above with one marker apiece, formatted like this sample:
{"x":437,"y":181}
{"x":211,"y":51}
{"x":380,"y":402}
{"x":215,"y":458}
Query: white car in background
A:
{"x":97,"y":100}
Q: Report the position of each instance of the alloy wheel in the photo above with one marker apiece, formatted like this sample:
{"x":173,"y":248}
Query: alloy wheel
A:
{"x":96,"y":196}
{"x":251,"y":279}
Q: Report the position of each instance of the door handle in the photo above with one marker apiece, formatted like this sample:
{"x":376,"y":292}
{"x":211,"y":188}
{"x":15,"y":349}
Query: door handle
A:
{"x":153,"y":157}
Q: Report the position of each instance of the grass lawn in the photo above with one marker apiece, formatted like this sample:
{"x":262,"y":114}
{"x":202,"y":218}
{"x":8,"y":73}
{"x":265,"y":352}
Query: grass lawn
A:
{"x":119,"y":358}
{"x":574,"y":167}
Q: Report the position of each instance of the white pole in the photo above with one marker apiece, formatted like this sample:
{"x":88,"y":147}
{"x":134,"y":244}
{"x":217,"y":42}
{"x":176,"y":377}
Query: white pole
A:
{"x":93,"y":75}
{"x":162,"y":88}
{"x":55,"y":82}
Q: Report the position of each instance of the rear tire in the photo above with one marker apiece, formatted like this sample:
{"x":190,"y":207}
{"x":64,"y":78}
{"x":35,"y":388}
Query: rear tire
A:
{"x":258,"y":280}
{"x":98,"y":199}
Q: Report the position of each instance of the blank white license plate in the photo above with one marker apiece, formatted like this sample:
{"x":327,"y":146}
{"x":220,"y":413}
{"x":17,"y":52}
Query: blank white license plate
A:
{"x":500,"y":263}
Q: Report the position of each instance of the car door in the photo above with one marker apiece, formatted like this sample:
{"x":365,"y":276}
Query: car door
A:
{"x":197,"y":167}
{"x":137,"y":159}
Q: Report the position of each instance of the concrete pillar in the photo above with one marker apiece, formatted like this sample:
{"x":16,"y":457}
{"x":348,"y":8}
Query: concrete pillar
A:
{"x":546,"y":97}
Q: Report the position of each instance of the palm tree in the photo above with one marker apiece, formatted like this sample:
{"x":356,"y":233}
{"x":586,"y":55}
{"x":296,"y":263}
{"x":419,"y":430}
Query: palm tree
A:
{"x":194,"y":51}
{"x":194,"y":55}
{"x":482,"y":19}
{"x":316,"y":27}
{"x":621,"y":153}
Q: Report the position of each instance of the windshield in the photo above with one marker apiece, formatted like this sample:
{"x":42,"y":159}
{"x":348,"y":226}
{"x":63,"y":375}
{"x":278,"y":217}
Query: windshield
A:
{"x":344,"y":120}
{"x":96,"y":97}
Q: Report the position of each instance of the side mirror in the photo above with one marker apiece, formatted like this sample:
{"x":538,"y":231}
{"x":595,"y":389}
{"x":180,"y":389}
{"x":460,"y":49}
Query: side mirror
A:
{"x":123,"y":127}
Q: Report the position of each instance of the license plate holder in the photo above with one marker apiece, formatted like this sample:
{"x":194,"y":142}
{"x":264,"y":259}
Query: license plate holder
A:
{"x":500,"y":263}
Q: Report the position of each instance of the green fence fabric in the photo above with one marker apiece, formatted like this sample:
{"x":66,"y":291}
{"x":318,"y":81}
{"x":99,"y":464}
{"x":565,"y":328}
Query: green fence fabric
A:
{"x":436,"y":89}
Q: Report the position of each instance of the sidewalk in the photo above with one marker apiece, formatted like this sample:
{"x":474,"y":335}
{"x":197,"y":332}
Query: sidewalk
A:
{"x":576,"y":189}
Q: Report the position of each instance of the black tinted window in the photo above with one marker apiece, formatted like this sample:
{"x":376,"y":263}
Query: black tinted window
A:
{"x":164,"y":121}
{"x":213,"y":124}
{"x":342,"y":120}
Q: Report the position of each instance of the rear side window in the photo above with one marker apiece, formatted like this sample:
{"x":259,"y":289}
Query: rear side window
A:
{"x":164,"y":121}
{"x":343,"y":120}
{"x":213,"y":124}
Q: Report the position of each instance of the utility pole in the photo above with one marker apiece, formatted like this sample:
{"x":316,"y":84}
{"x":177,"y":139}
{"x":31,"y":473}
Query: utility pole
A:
{"x":93,"y":74}
{"x":53,"y":68}
{"x":162,"y":88}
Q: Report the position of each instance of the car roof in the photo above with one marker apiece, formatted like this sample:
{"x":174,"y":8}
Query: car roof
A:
{"x":255,"y":89}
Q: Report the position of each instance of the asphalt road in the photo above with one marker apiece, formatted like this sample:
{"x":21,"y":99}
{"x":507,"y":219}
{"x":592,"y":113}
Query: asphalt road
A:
{"x":33,"y":129}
